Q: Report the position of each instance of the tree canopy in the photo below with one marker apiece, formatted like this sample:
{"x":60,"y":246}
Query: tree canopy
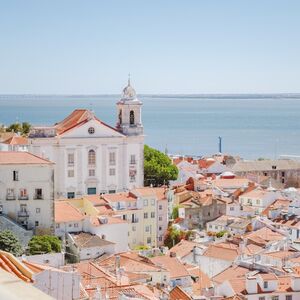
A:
{"x":10,"y":243}
{"x":158,"y":167}
{"x":23,"y":128}
{"x":44,"y":244}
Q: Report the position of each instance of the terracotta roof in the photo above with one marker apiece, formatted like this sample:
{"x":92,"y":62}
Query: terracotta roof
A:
{"x":159,"y":192}
{"x":95,"y":221}
{"x":6,"y":135}
{"x":223,"y":251}
{"x":11,"y":265}
{"x":76,"y":118}
{"x":66,"y":212}
{"x":278,"y":204}
{"x":16,"y":140}
{"x":21,"y":158}
{"x":230,"y":273}
{"x":88,"y":240}
{"x":178,"y":293}
{"x":292,"y":223}
{"x":119,"y":197}
{"x":183,"y":248}
{"x":172,"y":264}
{"x":263,"y":236}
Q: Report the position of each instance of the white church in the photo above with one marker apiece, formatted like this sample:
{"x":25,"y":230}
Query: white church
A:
{"x":92,"y":157}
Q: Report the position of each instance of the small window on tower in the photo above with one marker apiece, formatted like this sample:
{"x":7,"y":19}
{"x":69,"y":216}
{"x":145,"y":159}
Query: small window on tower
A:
{"x":120,"y":117}
{"x":131,"y":117}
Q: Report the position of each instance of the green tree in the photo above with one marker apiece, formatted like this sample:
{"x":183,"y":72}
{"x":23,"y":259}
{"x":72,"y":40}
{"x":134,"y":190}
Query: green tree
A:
{"x":175,"y":212}
{"x":158,"y":167}
{"x":40,"y":244}
{"x":10,"y":243}
{"x":23,"y":128}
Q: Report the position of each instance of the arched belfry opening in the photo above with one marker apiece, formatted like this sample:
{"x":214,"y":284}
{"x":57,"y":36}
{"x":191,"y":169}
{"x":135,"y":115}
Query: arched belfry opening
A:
{"x":131,"y":117}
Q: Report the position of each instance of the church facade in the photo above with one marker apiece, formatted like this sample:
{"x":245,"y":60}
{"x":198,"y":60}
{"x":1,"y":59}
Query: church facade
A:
{"x":92,"y":157}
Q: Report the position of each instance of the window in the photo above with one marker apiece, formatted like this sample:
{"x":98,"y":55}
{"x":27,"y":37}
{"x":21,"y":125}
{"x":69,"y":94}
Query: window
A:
{"x":76,"y":225}
{"x":265,"y":173}
{"x":160,"y":207}
{"x":36,"y":223}
{"x":145,"y":215}
{"x":124,"y":217}
{"x":57,"y":225}
{"x":133,"y":228}
{"x":152,"y":214}
{"x":147,"y":228}
{"x":159,"y":228}
{"x":274,"y":167}
{"x":288,"y":297}
{"x":91,"y":130}
{"x":15,"y":175}
{"x":275,"y":298}
{"x":282,"y":180}
{"x":261,"y":298}
{"x":257,"y":201}
{"x":131,"y":117}
{"x":148,"y":240}
{"x":231,"y":208}
{"x":38,"y":194}
{"x":152,"y":202}
{"x":92,"y":157}
{"x":145,"y":202}
{"x":160,"y":218}
{"x":112,"y":172}
{"x":160,"y":239}
{"x":37,"y":210}
{"x":111,"y":191}
{"x":70,"y":225}
{"x":71,"y":195}
{"x":283,"y":174}
{"x":120,"y":116}
{"x":132,"y":178}
{"x":92,"y":172}
{"x":132,"y":159}
{"x":23,"y":194}
{"x":70,"y":173}
{"x":265,"y":284}
{"x":70,"y":158}
{"x":112,"y":158}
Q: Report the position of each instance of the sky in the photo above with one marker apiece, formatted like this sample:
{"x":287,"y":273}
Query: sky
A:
{"x":168,"y":47}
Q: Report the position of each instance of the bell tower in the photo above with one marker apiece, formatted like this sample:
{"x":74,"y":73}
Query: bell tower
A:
{"x":129,"y":112}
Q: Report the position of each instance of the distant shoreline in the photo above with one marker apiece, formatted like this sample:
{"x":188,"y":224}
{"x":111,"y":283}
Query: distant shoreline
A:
{"x":189,"y":96}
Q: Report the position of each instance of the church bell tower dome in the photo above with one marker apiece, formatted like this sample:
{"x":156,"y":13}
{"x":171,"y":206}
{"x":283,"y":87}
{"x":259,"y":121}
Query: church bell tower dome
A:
{"x":129,"y":112}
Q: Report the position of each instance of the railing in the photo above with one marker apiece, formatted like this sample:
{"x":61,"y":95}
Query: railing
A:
{"x":10,"y":197}
{"x":38,"y":197}
{"x":24,"y":197}
{"x":23,"y":214}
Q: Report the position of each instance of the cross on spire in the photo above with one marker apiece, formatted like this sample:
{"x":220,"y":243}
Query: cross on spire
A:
{"x":128,"y":79}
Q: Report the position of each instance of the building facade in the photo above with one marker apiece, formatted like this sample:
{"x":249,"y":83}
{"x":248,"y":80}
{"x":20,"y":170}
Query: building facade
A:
{"x":92,"y":157}
{"x":27,"y":190}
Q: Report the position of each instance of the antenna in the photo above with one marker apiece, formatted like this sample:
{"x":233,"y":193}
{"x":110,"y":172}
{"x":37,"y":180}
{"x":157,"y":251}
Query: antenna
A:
{"x":220,"y":144}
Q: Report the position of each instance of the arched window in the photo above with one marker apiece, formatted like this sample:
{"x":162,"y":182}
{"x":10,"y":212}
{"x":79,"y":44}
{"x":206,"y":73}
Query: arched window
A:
{"x":92,"y":157}
{"x":131,"y":117}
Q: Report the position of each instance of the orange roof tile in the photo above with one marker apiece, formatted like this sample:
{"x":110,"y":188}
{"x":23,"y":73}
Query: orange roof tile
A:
{"x":16,"y":140}
{"x":117,"y":197}
{"x":66,"y":212}
{"x":178,"y":293}
{"x":20,"y":158}
{"x":230,"y":273}
{"x":172,"y":264}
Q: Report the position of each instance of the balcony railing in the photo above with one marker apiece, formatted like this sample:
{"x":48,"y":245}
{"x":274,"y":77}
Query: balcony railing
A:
{"x":38,"y":197}
{"x":10,"y":197}
{"x":24,"y":214}
{"x":23,"y":197}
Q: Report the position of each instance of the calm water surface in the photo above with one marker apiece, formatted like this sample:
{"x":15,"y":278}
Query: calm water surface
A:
{"x":265,"y":127}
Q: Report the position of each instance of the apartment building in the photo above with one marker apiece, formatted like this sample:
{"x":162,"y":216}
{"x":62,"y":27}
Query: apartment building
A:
{"x":27,"y":190}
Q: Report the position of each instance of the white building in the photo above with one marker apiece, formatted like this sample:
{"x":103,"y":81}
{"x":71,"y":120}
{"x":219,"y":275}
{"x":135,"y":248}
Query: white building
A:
{"x":92,"y":157}
{"x":27,"y":190}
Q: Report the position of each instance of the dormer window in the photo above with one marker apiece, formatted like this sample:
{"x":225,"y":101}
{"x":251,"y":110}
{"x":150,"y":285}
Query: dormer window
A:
{"x":91,"y":130}
{"x":265,"y":284}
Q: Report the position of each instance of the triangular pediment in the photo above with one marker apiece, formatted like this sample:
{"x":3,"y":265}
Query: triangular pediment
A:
{"x":93,"y":128}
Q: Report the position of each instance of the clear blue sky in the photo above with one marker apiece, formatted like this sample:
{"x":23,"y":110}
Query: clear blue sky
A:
{"x":77,"y":47}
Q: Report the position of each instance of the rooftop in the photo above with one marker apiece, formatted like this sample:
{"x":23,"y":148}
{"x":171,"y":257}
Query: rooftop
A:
{"x":21,"y":158}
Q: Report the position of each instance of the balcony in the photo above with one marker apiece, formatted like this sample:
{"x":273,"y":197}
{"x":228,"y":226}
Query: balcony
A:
{"x":23,"y":214}
{"x":38,"y":197}
{"x":10,"y":197}
{"x":23,"y":197}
